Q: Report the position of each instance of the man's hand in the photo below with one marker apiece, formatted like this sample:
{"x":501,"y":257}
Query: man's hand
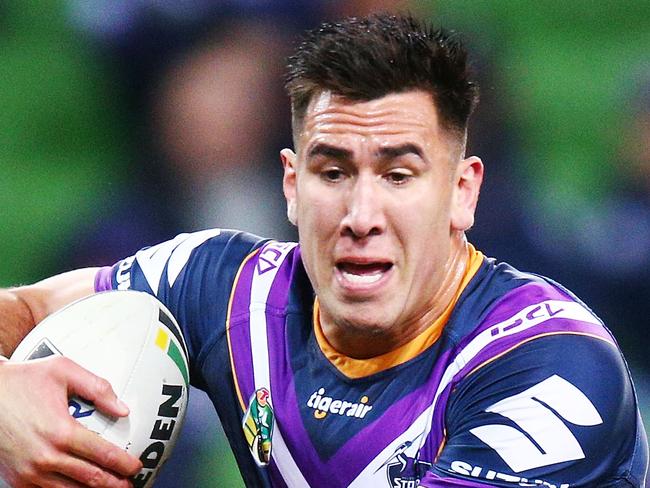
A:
{"x":41,"y":444}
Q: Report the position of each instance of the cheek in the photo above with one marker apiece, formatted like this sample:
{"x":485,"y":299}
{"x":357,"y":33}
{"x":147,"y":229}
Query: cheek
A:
{"x":422,"y":216}
{"x":318,"y":224}
{"x":316,"y":227}
{"x":318,"y":213}
{"x":423,"y":230}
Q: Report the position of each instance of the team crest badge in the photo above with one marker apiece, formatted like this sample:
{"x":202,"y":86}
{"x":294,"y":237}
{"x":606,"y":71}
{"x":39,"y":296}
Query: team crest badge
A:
{"x":404,"y":470}
{"x":258,"y":426}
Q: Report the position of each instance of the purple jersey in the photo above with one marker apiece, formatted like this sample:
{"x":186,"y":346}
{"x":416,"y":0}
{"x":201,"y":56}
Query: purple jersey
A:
{"x":523,"y":387}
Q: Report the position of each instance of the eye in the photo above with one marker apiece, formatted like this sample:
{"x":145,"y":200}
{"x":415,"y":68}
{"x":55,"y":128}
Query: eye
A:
{"x":332,"y":174}
{"x":398,"y":177}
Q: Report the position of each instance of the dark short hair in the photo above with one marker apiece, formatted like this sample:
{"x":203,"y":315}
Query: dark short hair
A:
{"x":367,"y":58}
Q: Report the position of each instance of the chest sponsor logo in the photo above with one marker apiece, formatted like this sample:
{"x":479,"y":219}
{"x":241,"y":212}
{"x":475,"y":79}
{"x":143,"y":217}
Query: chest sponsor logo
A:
{"x":258,"y":426}
{"x":323,"y":405}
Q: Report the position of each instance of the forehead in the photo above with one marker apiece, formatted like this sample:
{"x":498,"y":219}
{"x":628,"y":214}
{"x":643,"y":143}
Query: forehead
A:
{"x":398,"y":117}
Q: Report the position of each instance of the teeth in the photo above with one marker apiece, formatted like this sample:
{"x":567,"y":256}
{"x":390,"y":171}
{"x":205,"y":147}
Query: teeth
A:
{"x":362,"y":278}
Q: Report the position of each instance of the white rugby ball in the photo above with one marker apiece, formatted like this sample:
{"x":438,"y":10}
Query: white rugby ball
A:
{"x":130,"y":339}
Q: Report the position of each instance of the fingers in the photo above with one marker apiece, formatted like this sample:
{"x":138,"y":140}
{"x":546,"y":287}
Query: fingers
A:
{"x":54,"y":480}
{"x":81,"y":442}
{"x":78,"y":473}
{"x":57,"y":470}
{"x":90,"y":446}
{"x":91,"y":387}
{"x":41,"y":444}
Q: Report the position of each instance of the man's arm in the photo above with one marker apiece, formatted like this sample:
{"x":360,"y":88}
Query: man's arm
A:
{"x":23,"y":307}
{"x":542,"y":412}
{"x":40,"y":443}
{"x":17,"y":321}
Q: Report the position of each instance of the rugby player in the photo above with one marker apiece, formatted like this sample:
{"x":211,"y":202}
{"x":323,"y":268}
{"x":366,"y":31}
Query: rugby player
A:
{"x":383,"y":349}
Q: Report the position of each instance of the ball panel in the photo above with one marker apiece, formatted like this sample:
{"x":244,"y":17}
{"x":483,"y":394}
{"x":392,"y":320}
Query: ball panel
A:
{"x":130,"y":339}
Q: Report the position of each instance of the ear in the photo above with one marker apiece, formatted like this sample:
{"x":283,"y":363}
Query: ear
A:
{"x":467,"y":184}
{"x":288,"y":158}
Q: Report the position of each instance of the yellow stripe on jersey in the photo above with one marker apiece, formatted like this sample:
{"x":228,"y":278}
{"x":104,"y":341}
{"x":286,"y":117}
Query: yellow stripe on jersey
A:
{"x":359,"y":368}
{"x":230,"y":300}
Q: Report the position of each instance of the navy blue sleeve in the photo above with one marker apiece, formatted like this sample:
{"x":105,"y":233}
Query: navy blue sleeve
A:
{"x":558,"y":411}
{"x":192,"y":275}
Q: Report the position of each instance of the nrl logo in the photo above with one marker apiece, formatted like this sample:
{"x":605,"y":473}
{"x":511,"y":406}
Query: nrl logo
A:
{"x":258,"y":426}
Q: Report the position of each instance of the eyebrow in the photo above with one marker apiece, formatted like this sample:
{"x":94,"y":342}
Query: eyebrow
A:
{"x":329,"y":151}
{"x":392,"y":152}
{"x":386,"y":152}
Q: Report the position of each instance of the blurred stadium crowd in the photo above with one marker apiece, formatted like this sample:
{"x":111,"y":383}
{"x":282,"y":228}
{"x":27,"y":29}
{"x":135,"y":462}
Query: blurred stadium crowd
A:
{"x":125,"y":122}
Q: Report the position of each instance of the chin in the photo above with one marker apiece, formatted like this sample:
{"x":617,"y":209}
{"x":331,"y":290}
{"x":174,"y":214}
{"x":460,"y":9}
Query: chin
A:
{"x":365,"y":322}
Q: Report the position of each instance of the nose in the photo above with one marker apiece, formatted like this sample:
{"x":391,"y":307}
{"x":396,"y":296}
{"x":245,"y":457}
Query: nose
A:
{"x":364,"y":209}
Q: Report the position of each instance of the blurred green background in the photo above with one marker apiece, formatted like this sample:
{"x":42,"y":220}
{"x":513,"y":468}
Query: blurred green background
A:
{"x":561,"y":128}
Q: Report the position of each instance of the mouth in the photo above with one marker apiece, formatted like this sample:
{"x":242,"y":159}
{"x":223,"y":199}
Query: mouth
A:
{"x":362,"y":273}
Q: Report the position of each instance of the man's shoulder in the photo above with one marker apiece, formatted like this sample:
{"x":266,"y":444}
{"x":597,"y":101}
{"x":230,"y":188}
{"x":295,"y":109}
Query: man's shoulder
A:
{"x":192,"y":255}
{"x":538,"y":383}
{"x":508,"y":301}
{"x":542,"y":411}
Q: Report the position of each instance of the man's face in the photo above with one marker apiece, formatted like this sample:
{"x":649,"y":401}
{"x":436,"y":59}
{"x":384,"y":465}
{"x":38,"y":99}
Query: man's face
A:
{"x":374,"y":191}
